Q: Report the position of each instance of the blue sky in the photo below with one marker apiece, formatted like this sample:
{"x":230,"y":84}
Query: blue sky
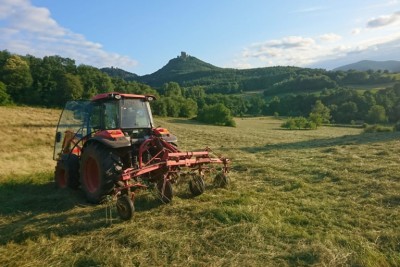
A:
{"x":141,"y":36}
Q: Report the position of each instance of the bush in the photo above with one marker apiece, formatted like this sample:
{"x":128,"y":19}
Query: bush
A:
{"x":311,"y":125}
{"x":397,"y":126}
{"x":216,"y":114}
{"x":4,"y":97}
{"x":378,"y":129}
{"x":289,"y":124}
{"x":299,"y":123}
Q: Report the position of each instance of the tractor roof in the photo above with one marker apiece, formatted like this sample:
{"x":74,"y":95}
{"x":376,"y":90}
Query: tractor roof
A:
{"x":112,"y":95}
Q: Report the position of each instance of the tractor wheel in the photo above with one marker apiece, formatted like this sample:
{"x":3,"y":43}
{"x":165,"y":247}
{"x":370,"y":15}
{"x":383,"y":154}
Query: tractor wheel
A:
{"x":125,"y":207}
{"x":221,"y":180}
{"x":99,"y":169}
{"x":60,"y":175}
{"x":196,"y":185}
{"x":67,"y":172}
{"x":165,"y":191}
{"x":72,"y":171}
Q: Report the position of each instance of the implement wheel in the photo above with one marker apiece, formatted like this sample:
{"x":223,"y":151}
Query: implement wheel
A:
{"x":99,"y":168}
{"x":164,"y":188}
{"x":196,"y":185}
{"x":221,"y":180}
{"x":125,"y":207}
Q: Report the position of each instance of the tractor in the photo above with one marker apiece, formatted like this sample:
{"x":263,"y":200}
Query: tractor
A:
{"x":109,"y":148}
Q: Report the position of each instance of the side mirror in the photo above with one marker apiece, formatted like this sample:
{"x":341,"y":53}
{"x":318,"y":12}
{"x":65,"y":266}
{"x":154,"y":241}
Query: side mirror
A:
{"x":58,"y":137}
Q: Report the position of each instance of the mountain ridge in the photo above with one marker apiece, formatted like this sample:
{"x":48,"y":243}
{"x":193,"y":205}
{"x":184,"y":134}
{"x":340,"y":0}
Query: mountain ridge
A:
{"x":189,"y":71}
{"x":365,"y":65}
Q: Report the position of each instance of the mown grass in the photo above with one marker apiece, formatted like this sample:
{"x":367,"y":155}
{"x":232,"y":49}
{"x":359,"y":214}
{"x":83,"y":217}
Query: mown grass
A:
{"x":329,"y":197}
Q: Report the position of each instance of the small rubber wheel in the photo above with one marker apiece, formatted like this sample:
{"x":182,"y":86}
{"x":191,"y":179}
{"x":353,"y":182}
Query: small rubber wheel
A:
{"x":196,"y":185}
{"x":164,"y":188}
{"x":125,"y":207}
{"x":221,"y":180}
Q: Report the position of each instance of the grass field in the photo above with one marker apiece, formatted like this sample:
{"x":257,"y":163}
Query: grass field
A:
{"x":329,"y":197}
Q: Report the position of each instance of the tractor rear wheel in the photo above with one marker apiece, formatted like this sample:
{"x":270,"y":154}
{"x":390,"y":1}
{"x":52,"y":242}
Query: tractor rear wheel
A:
{"x":196,"y":185}
{"x":165,"y":191}
{"x":125,"y":207}
{"x":99,"y":169}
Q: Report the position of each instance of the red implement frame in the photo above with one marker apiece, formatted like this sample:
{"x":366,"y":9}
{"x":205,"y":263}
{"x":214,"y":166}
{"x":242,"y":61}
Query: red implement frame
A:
{"x":167,"y":159}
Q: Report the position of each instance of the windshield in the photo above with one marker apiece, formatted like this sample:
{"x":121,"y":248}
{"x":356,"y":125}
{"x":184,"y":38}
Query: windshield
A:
{"x":70,"y":125}
{"x":135,"y":113}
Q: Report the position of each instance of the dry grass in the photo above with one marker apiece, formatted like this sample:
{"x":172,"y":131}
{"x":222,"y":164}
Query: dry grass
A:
{"x":328,"y":197}
{"x":26,"y":140}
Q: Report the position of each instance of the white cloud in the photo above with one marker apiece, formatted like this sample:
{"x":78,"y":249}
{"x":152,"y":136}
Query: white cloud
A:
{"x":31,"y":30}
{"x":291,"y":50}
{"x":356,"y":31}
{"x":330,"y":37}
{"x":389,"y":3}
{"x":311,"y":51}
{"x":384,"y":20}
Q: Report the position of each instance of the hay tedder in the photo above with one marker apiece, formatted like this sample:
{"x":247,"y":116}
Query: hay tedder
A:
{"x":110,"y":148}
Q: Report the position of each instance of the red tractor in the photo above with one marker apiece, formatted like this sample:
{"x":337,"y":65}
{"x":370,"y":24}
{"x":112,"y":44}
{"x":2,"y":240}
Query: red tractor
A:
{"x":109,"y":147}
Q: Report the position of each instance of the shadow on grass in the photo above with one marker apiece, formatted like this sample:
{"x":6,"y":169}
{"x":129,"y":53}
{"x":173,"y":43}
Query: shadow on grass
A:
{"x":28,"y":196}
{"x":146,"y":203}
{"x":364,"y":138}
{"x":32,"y":207}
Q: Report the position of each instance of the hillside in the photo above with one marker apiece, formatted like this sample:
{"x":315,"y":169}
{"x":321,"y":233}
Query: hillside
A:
{"x":178,"y":68}
{"x":364,"y":65}
{"x":120,"y":73}
{"x":328,"y":197}
{"x":190,"y":71}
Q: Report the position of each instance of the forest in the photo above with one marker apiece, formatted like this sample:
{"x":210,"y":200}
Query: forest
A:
{"x":204,"y":91}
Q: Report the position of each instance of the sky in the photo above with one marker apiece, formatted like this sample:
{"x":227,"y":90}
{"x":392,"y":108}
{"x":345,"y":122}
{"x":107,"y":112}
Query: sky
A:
{"x":141,"y":36}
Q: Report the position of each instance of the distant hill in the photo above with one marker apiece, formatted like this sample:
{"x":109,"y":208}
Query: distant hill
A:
{"x":178,"y":68}
{"x":120,"y":73}
{"x":364,"y":65}
{"x":190,"y":71}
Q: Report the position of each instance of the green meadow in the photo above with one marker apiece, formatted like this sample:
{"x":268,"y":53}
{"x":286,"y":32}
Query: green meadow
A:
{"x":325,"y":197}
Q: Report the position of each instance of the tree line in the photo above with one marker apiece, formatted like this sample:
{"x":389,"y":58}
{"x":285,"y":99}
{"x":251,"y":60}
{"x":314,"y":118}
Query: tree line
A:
{"x":345,"y":105}
{"x":52,"y":80}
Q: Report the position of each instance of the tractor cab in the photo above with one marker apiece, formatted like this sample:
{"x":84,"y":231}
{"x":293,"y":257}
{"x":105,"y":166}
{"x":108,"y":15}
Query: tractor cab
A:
{"x":126,"y":112}
{"x":109,"y":114}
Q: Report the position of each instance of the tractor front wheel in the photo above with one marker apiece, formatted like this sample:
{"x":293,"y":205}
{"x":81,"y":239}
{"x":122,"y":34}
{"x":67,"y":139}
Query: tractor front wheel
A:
{"x":125,"y":207}
{"x":67,"y":172}
{"x":60,"y":175}
{"x":99,"y":169}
